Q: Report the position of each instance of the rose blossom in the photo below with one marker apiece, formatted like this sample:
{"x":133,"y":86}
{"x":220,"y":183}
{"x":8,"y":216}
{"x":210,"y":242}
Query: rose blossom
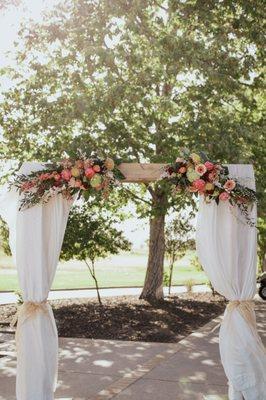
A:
{"x":224,"y":196}
{"x":89,"y":172}
{"x":66,"y":174}
{"x":230,"y":184}
{"x":201,"y":169}
{"x":199,"y":184}
{"x":209,"y":165}
{"x":57,"y":177}
{"x":212,"y":176}
{"x":182,"y":170}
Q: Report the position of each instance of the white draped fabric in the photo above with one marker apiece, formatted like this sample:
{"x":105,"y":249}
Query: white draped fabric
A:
{"x":227,"y":250}
{"x":36,"y":236}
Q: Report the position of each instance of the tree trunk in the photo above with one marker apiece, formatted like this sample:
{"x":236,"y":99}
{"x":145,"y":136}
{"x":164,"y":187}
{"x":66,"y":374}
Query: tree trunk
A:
{"x":171,"y":276}
{"x":153,"y":285}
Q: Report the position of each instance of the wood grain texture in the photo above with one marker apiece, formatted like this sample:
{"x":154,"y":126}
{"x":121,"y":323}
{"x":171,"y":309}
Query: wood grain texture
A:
{"x":137,"y":173}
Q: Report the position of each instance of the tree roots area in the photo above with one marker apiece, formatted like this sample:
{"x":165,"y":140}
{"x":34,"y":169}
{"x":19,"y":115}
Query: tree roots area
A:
{"x":128,"y":318}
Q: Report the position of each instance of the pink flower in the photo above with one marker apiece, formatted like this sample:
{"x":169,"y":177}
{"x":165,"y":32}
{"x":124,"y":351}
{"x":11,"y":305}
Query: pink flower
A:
{"x":230,"y":184}
{"x":57,"y":177}
{"x":66,"y":174}
{"x":201,"y":169}
{"x":78,"y":183}
{"x":27,"y":186}
{"x":224,"y":196}
{"x":199,"y":184}
{"x":209,"y":165}
{"x":212,"y":176}
{"x":43,"y":177}
{"x":182,"y":170}
{"x":89,"y":172}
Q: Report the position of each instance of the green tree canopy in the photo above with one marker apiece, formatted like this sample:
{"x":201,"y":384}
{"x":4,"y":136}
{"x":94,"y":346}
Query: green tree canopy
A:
{"x":139,"y":79}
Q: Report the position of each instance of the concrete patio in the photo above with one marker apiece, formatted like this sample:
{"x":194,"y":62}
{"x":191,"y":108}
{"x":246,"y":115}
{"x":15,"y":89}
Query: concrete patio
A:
{"x":104,"y":370}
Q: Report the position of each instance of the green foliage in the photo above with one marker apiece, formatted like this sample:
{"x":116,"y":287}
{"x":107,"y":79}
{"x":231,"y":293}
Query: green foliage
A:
{"x":196,"y":264}
{"x":4,"y":237}
{"x":91,"y":235}
{"x":262,"y":244}
{"x":178,"y":240}
{"x":139,"y":79}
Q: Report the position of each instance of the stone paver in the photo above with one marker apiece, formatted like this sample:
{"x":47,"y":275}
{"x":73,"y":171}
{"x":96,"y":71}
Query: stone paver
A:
{"x":105,"y":370}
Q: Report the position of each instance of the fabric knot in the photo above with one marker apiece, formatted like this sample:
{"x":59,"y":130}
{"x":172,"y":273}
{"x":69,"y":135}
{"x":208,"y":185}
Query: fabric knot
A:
{"x":245,"y":308}
{"x":29,"y":309}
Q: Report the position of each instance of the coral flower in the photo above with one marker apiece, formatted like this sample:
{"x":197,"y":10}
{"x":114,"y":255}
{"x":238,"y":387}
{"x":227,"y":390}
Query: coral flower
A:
{"x":109,"y":164}
{"x":224,"y":196}
{"x":89,"y":172}
{"x":212,"y":176}
{"x":66,"y":174}
{"x":230,"y":184}
{"x":96,"y":168}
{"x":209,"y":165}
{"x":199,"y":184}
{"x":182,"y":170}
{"x":201,"y":169}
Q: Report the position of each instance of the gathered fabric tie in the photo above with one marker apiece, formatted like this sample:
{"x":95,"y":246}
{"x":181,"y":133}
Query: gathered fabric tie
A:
{"x":245,"y":308}
{"x":27,"y":310}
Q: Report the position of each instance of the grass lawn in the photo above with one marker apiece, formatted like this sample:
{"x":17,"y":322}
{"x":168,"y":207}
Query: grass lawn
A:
{"x":126,"y":269}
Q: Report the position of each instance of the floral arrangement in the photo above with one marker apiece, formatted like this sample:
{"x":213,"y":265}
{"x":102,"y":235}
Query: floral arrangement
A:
{"x":83,"y":175}
{"x":196,"y":174}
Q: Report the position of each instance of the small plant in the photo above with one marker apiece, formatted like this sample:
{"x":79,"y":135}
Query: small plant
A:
{"x":166,"y":278}
{"x":189,"y":283}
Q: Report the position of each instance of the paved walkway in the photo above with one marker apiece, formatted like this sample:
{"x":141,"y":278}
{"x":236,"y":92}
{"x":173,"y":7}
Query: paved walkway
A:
{"x":105,"y":370}
{"x":10,"y":297}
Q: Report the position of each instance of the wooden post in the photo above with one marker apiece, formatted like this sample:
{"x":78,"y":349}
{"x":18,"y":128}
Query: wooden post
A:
{"x":137,"y":173}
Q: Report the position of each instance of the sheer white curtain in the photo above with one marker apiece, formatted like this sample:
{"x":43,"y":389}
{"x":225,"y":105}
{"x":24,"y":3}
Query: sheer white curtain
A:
{"x":227,"y":250}
{"x":36,"y":236}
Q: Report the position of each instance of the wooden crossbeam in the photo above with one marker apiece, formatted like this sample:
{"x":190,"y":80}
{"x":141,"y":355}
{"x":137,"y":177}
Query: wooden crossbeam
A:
{"x":136,"y":173}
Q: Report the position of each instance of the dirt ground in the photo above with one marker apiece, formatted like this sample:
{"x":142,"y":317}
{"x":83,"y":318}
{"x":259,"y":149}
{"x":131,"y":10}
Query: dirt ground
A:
{"x":128,"y":318}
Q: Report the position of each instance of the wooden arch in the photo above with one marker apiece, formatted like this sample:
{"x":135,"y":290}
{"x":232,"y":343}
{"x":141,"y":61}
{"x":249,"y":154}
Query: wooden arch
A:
{"x":137,"y":173}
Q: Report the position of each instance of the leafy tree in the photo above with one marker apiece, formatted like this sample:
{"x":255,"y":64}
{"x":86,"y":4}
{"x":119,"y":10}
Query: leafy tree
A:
{"x":178,"y":240}
{"x":91,"y":235}
{"x":139,"y":79}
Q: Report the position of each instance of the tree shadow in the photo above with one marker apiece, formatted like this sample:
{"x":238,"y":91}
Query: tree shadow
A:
{"x":129,"y":318}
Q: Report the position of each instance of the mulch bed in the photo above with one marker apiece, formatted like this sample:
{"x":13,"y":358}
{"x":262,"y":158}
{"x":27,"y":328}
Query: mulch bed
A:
{"x":128,"y":318}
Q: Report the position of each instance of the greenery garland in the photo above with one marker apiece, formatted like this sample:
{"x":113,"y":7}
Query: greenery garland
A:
{"x":84,"y":175}
{"x":196,"y":174}
{"x":191,"y":173}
